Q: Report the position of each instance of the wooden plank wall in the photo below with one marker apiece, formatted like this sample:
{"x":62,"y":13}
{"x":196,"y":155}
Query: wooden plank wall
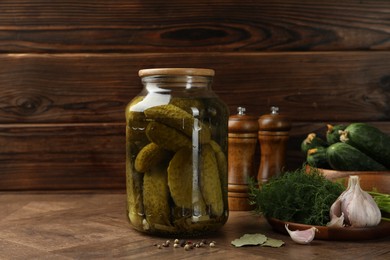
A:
{"x":68,"y":69}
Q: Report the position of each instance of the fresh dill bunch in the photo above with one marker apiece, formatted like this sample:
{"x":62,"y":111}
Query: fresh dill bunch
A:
{"x":296,"y":196}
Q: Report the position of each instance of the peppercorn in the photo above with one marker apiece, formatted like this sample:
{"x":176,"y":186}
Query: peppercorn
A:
{"x":188,"y":245}
{"x":182,"y":242}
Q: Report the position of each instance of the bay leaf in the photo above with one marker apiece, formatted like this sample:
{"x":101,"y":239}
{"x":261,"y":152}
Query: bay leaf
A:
{"x":249,"y":240}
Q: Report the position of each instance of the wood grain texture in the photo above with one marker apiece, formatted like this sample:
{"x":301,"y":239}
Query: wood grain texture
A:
{"x":86,"y":226}
{"x":70,"y":67}
{"x":55,"y":156}
{"x":92,"y":156}
{"x":156,"y":26}
{"x":316,"y":86}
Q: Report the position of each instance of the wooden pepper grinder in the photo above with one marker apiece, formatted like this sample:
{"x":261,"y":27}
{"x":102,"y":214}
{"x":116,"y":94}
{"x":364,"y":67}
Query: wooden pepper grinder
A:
{"x":273,"y":135}
{"x":242,"y":140}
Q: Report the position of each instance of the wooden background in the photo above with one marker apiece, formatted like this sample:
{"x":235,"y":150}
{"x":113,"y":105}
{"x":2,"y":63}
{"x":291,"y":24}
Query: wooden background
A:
{"x":68,"y":69}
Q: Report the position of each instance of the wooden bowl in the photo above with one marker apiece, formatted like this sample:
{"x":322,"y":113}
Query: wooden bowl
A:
{"x":369,"y":180}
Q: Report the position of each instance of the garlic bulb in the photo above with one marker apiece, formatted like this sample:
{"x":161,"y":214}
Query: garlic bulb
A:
{"x":302,"y":236}
{"x":354,"y":207}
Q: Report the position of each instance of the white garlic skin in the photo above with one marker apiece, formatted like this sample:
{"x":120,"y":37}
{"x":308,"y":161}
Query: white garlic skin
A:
{"x":356,"y":206}
{"x":302,"y":236}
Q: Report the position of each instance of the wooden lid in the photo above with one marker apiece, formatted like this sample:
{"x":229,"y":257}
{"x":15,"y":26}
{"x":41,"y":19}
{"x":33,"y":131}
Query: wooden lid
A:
{"x":177,"y":71}
{"x":274,"y":121}
{"x":242,"y":123}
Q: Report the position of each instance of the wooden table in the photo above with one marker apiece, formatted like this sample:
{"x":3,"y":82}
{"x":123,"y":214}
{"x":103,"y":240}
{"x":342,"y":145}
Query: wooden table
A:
{"x":94,"y":226}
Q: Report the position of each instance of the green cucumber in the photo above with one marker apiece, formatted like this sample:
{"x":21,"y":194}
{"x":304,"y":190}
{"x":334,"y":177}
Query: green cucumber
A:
{"x":345,"y":157}
{"x":312,"y":141}
{"x":333,"y":133}
{"x":369,"y":140}
{"x":316,"y":157}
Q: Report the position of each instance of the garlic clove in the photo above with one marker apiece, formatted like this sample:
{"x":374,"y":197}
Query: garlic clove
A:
{"x":336,"y":221}
{"x":302,"y":236}
{"x":336,"y":215}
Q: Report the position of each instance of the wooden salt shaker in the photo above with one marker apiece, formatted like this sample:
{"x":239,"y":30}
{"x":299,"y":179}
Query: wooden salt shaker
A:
{"x":242,"y":140}
{"x":273,"y":136}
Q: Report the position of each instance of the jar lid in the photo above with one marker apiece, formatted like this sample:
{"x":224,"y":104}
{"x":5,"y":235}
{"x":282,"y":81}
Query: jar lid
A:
{"x":176,"y":71}
{"x":242,"y":123}
{"x":274,"y":121}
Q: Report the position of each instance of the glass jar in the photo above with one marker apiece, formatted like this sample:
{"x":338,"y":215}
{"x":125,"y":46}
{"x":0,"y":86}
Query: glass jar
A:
{"x":176,"y":154}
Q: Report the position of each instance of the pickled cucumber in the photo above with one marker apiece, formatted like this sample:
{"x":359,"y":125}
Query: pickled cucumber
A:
{"x":222,"y":168}
{"x":156,"y":196}
{"x":149,"y":156}
{"x":183,"y":182}
{"x":221,"y":161}
{"x":135,"y":208}
{"x":167,"y":137}
{"x":210,"y":184}
{"x":179,"y":119}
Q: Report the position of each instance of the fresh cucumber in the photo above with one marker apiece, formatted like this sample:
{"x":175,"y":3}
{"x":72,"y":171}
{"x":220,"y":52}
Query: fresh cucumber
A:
{"x":312,"y":141}
{"x":316,"y":157}
{"x":333,"y":133}
{"x":344,"y":157}
{"x":370,"y":140}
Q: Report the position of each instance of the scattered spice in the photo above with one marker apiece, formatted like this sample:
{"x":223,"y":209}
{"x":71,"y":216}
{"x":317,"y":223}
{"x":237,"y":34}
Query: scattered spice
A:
{"x":186,"y":244}
{"x":182,"y":242}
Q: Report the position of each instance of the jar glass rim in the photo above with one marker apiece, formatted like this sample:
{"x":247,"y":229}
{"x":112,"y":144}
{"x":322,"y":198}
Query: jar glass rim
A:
{"x":177,"y":71}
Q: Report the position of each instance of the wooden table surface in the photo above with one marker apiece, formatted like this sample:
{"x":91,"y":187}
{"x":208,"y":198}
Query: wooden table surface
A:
{"x":94,"y":226}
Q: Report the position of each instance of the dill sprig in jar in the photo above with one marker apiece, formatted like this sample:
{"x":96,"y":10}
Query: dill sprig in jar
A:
{"x":176,"y":153}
